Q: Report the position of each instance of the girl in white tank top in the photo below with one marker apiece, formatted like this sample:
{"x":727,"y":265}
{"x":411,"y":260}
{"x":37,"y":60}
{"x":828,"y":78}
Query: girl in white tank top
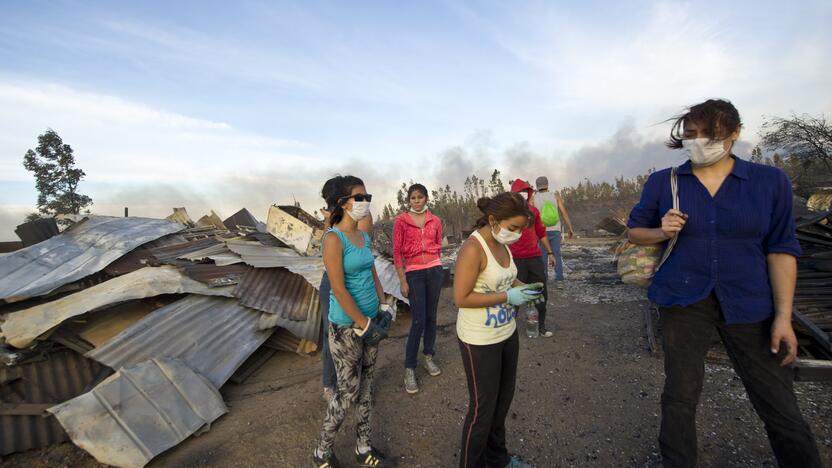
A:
{"x":490,"y":324}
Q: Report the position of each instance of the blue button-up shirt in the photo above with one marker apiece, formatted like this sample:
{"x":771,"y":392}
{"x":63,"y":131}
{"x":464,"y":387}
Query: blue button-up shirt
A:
{"x":724,"y":243}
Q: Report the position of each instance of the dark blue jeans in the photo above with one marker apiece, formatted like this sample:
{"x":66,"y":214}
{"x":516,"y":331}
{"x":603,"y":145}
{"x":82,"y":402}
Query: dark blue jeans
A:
{"x":330,"y":379}
{"x":554,"y":240}
{"x":425,"y":286}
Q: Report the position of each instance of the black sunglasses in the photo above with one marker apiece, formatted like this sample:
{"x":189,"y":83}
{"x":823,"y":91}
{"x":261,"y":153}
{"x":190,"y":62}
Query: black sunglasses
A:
{"x":359,"y":197}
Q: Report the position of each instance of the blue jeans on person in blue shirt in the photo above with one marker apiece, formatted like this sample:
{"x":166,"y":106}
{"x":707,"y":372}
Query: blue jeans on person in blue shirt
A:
{"x":554,"y":240}
{"x":329,"y":378}
{"x":425,"y":287}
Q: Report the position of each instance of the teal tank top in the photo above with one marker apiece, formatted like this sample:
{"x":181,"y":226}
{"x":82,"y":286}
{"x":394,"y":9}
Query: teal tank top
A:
{"x":358,"y":279}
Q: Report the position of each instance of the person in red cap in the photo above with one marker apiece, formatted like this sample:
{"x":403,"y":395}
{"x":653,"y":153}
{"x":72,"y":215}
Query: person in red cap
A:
{"x":527,"y":254}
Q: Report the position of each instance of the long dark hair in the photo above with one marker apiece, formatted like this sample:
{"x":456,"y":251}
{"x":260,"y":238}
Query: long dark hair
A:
{"x":502,"y":206}
{"x":334,"y":190}
{"x":717,"y":119}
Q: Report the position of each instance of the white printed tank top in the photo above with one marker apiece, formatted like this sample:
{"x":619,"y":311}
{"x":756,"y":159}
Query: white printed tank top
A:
{"x":491,"y":324}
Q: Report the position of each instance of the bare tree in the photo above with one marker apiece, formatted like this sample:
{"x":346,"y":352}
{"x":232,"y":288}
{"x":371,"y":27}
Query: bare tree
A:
{"x":803,"y":136}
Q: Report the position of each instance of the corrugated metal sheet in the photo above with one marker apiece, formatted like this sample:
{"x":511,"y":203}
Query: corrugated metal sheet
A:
{"x":242,"y":218}
{"x":311,"y":268}
{"x":219,"y":253}
{"x":140,"y":412}
{"x":80,"y":251}
{"x":389,"y":278}
{"x":284,"y":340}
{"x":37,"y":231}
{"x":276,"y":291}
{"x":212,"y":275}
{"x":263,"y":256}
{"x":22,"y":327}
{"x":172,"y":252}
{"x":63,"y":375}
{"x":308,"y":330}
{"x":212,"y":335}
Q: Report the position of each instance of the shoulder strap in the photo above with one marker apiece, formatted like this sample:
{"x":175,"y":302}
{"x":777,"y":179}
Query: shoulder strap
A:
{"x":674,"y":192}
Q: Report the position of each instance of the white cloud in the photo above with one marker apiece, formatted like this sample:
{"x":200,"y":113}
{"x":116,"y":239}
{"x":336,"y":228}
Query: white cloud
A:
{"x":116,"y":140}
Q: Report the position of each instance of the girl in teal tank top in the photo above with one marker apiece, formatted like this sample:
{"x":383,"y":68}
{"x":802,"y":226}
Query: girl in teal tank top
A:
{"x":356,"y":326}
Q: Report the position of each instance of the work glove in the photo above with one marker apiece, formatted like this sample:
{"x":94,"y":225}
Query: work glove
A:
{"x":520,"y":295}
{"x":384,"y":317}
{"x":373,"y":334}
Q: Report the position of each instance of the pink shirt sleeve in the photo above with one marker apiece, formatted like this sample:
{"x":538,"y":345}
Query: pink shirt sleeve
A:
{"x":398,"y":242}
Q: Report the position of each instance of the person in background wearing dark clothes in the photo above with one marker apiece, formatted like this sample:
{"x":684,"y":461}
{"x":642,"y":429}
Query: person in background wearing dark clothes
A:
{"x":417,"y":243}
{"x":487,"y":292}
{"x":330,"y":380}
{"x":527,"y":254}
{"x":734,"y":270}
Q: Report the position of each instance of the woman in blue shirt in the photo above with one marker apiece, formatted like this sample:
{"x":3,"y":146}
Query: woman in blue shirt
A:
{"x":734,"y":269}
{"x":358,"y":318}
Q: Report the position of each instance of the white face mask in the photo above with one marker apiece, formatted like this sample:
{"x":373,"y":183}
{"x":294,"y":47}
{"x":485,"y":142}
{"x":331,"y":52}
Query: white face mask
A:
{"x":703,"y":152}
{"x":360,"y":209}
{"x":424,"y":208}
{"x":504,"y":236}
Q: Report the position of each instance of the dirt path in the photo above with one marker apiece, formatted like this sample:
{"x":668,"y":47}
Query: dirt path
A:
{"x":587,"y":397}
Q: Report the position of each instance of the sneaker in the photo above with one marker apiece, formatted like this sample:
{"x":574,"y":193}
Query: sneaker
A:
{"x":431,"y":366}
{"x":516,"y":462}
{"x":373,"y":459}
{"x":327,"y":461}
{"x":546,"y":333}
{"x":410,"y":384}
{"x":329,"y":394}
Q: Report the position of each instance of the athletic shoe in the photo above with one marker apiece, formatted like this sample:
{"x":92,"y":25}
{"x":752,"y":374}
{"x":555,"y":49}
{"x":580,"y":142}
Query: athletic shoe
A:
{"x":546,"y":333}
{"x":373,"y":459}
{"x":410,"y":384}
{"x":327,"y":461}
{"x":516,"y":462}
{"x":431,"y":366}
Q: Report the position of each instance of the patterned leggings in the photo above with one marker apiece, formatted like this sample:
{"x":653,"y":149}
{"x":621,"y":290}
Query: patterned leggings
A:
{"x":355,"y":365}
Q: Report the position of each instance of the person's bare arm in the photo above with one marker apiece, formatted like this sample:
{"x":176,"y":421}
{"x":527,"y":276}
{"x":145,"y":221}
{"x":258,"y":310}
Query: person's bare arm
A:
{"x":565,"y":213}
{"x":672,"y":224}
{"x":334,"y":264}
{"x":782,"y":273}
{"x":468,"y":267}
{"x":548,"y":246}
{"x":379,"y":289}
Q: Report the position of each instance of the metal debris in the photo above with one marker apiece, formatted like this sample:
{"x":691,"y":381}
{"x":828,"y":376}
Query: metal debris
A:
{"x":141,"y":411}
{"x":22,"y":327}
{"x":211,"y":335}
{"x":27,"y":390}
{"x":80,"y":251}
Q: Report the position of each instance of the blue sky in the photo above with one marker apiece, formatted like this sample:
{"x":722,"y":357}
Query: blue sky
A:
{"x":218,"y":105}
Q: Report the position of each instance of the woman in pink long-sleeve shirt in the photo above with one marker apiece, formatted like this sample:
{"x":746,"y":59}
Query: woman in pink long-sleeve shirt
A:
{"x":417,"y":242}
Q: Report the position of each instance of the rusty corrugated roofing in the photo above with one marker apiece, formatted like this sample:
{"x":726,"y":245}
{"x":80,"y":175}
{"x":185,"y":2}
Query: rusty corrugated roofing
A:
{"x":211,"y":274}
{"x":212,"y":335}
{"x":276,"y":291}
{"x":63,"y":375}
